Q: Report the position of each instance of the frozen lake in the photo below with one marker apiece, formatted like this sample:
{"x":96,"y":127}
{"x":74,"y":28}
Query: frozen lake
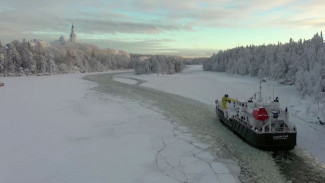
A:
{"x":147,"y":128}
{"x":61,"y":129}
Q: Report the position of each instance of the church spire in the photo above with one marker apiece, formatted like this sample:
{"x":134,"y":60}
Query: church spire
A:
{"x":72,"y":35}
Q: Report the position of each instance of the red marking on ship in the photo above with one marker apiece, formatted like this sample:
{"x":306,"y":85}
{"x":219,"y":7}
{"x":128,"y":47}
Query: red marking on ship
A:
{"x":260,"y":114}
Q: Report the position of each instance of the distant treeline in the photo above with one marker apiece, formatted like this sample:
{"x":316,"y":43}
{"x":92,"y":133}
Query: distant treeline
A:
{"x":160,"y":64}
{"x":195,"y":61}
{"x":37,"y":57}
{"x":297,"y":62}
{"x":40,"y":58}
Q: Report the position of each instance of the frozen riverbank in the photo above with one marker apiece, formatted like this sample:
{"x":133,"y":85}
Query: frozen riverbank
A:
{"x":57,"y":129}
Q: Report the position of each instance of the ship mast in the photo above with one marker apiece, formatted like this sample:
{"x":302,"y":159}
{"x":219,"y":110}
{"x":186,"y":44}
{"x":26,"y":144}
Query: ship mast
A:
{"x":260,"y":94}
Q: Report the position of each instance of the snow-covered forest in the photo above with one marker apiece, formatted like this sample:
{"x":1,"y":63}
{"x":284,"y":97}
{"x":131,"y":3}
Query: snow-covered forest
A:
{"x":195,"y":61}
{"x":39,"y":58}
{"x":159,"y":64}
{"x":297,"y":62}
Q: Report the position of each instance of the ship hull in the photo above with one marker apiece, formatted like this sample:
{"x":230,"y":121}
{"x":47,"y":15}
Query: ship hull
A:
{"x":264,"y":141}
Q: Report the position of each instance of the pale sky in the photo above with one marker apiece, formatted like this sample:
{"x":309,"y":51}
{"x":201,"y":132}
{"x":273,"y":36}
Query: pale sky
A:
{"x":183,"y":27}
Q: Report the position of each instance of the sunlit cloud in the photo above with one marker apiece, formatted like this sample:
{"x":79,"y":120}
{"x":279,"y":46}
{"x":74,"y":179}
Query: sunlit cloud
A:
{"x":212,"y":23}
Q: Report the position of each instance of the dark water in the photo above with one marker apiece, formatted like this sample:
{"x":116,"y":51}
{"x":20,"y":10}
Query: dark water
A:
{"x":200,"y":118}
{"x":298,"y":168}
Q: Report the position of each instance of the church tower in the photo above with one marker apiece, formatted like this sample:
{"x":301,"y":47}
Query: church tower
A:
{"x":72,"y":35}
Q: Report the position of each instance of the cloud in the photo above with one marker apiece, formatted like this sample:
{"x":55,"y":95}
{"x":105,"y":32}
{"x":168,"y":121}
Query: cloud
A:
{"x":140,"y":46}
{"x":152,"y":47}
{"x":298,"y":23}
{"x":109,"y":26}
{"x":151,"y":20}
{"x":151,"y":16}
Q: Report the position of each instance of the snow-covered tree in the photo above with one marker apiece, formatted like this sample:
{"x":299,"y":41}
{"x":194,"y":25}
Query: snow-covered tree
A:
{"x":2,"y":58}
{"x":297,"y":62}
{"x":158,"y":64}
{"x":13,"y":61}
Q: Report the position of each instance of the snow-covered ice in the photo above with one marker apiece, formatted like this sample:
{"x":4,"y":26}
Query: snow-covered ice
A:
{"x":57,"y":129}
{"x":206,"y":87}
